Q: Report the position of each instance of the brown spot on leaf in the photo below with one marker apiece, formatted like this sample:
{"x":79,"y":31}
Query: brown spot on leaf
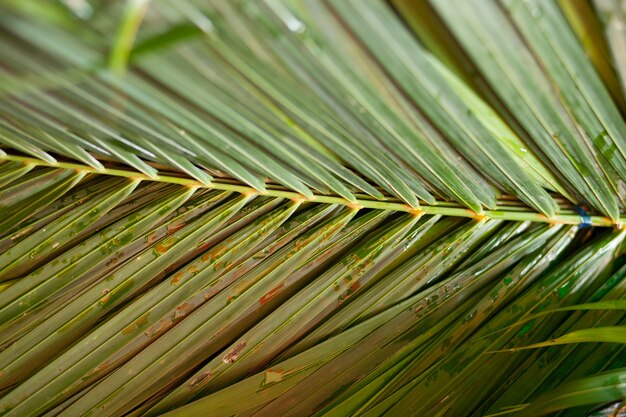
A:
{"x":176,"y":278}
{"x":234,"y":353}
{"x":419,"y":310}
{"x":166,"y":245}
{"x":272,"y":376}
{"x":182,"y":310}
{"x":199,"y":379}
{"x":351,"y":290}
{"x":96,"y":371}
{"x":129,"y":329}
{"x":105,"y":299}
{"x":174,"y":228}
{"x":218,"y":252}
{"x":238,"y":273}
{"x":270,"y":294}
{"x":159,"y":328}
{"x":134,"y":326}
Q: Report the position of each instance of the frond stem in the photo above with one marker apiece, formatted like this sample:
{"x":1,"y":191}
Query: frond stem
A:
{"x":510,"y":213}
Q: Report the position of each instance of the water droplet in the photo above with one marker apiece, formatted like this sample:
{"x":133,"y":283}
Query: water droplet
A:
{"x":295,"y":25}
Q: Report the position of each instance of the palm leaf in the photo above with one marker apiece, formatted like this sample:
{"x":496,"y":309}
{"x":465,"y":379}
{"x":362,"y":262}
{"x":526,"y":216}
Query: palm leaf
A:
{"x":301,"y":207}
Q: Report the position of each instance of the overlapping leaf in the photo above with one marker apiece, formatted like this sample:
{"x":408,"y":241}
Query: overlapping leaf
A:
{"x":302,"y":207}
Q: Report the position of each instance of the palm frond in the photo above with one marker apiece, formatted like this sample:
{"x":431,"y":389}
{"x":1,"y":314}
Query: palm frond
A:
{"x":302,"y":207}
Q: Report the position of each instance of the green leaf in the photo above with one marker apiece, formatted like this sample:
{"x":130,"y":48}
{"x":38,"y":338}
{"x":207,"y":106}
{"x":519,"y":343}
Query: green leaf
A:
{"x":614,"y":334}
{"x":294,"y":207}
{"x":591,"y":390}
